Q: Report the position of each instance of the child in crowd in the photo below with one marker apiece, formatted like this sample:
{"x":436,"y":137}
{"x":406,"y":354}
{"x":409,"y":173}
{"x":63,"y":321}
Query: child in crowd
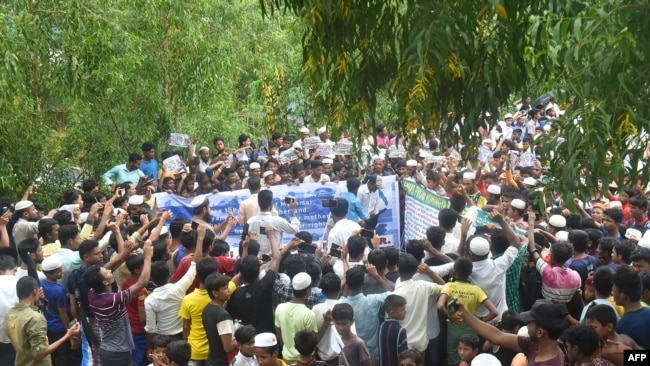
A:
{"x":245,"y":337}
{"x":467,"y":294}
{"x":468,"y":348}
{"x":581,"y":343}
{"x":217,"y":323}
{"x":56,"y":313}
{"x":392,"y":337}
{"x":410,"y":357}
{"x":510,"y":323}
{"x":266,"y":350}
{"x":135,"y":310}
{"x":177,"y":354}
{"x":355,"y":352}
{"x":305,"y":342}
{"x":158,"y":344}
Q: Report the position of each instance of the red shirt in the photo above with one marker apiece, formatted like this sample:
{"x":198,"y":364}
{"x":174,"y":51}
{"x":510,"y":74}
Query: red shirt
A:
{"x":137,"y":300}
{"x":226,"y":266}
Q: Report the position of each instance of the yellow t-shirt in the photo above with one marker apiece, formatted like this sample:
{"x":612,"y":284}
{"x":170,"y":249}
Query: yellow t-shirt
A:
{"x":619,"y":309}
{"x":191,"y":309}
{"x":49,"y":249}
{"x":467,"y":294}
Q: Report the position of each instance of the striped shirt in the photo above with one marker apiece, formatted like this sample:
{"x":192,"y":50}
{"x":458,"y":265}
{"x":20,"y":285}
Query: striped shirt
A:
{"x":110,"y":311}
{"x":392,"y":341}
{"x":558,"y":283}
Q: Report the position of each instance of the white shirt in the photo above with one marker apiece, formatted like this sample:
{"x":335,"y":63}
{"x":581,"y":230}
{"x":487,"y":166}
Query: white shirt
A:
{"x":420,"y":301}
{"x":161,"y":306}
{"x":451,"y":244}
{"x":279,"y":225}
{"x":433,"y":324}
{"x":8,"y":299}
{"x":340,"y":233}
{"x":339,"y":270}
{"x":20,"y":273}
{"x":370,"y":201}
{"x":322,"y":179}
{"x":329,"y":346}
{"x":490,"y":275}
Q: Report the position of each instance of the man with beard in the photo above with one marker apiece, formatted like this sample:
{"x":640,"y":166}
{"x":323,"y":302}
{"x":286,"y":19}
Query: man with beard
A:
{"x":30,"y":247}
{"x":26,"y":227}
{"x":201,"y":213}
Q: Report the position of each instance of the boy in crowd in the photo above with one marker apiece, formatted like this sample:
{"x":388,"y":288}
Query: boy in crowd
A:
{"x":467,"y":294}
{"x":581,"y":343}
{"x":329,"y":346}
{"x":266,"y":350}
{"x":306,"y":342}
{"x":468,"y":348}
{"x":135,"y":310}
{"x":245,"y":337}
{"x":604,"y":319}
{"x":56,"y":313}
{"x":217,"y":323}
{"x":392,"y":337}
{"x":627,"y":292}
{"x":158,"y":344}
{"x":410,"y":357}
{"x":177,"y":353}
{"x":510,"y":323}
{"x":355,"y":352}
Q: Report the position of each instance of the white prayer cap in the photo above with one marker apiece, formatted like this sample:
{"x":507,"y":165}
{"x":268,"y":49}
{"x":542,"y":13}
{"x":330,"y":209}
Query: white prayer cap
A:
{"x":486,"y":359}
{"x":557,"y":221}
{"x":508,"y":115}
{"x":51,"y":263}
{"x":479,"y":246}
{"x":266,"y":340}
{"x":164,"y":231}
{"x":530,"y":181}
{"x":494,"y":189}
{"x":199,"y":201}
{"x":645,"y":241}
{"x":547,"y":127}
{"x":615,"y":204}
{"x":412,"y":163}
{"x":254,"y":166}
{"x":204,"y":148}
{"x":328,"y":161}
{"x":321,"y":130}
{"x":301,"y":281}
{"x":519,"y":204}
{"x":469,"y":175}
{"x":117,"y":211}
{"x":21,"y":205}
{"x":304,"y":130}
{"x":487,"y":141}
{"x":136,"y":200}
{"x":562,"y":235}
{"x":423,"y":154}
{"x":267,"y":173}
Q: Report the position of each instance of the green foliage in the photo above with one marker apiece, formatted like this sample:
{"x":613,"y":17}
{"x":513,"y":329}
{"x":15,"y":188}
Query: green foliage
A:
{"x":83,"y":83}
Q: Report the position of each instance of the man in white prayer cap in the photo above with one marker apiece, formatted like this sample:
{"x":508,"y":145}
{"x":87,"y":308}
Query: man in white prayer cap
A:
{"x":469,"y":184}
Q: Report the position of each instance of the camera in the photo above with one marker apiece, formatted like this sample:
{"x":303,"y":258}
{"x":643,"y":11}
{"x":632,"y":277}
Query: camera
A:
{"x":330,"y":203}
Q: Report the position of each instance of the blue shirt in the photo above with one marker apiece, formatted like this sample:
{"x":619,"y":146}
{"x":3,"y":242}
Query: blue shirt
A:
{"x":366,"y":308}
{"x":151,"y":169}
{"x":120,"y":174}
{"x":55,"y":295}
{"x":636,"y":324}
{"x":355,"y":210}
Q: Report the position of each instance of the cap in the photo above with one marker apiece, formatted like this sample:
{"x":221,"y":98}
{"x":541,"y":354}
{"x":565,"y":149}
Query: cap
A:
{"x":411,"y":163}
{"x":469,"y":175}
{"x":328,"y":161}
{"x":267,"y":173}
{"x":51,"y":263}
{"x":322,"y":130}
{"x":487,"y":141}
{"x":304,"y":130}
{"x":508,"y":115}
{"x":136,"y":200}
{"x":545,"y":312}
{"x":163,"y":231}
{"x":615,"y":204}
{"x":21,"y":205}
{"x":204,"y":148}
{"x":423,"y":154}
{"x":254,"y":166}
{"x":518,"y":204}
{"x":494,"y":189}
{"x":117,"y":211}
{"x":485,"y":359}
{"x":479,"y":246}
{"x":199,"y":201}
{"x":265,"y":340}
{"x":633,"y":234}
{"x":530,"y":181}
{"x":301,"y":281}
{"x":562,"y":235}
{"x":589,"y":281}
{"x":557,"y":221}
{"x":645,"y":241}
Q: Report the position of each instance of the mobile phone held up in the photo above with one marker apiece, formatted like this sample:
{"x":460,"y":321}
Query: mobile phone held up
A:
{"x":335,"y":251}
{"x":368,"y":234}
{"x":452,"y":307}
{"x":4,"y":210}
{"x":288,"y":200}
{"x":330,"y":203}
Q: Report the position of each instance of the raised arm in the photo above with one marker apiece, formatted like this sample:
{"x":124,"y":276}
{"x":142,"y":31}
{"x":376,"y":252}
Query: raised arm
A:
{"x":146,"y":268}
{"x":513,"y":239}
{"x":274,"y":265}
{"x":487,"y":331}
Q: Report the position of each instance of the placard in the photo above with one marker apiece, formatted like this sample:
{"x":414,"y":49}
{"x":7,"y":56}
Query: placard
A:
{"x":179,"y":139}
{"x":172,"y":164}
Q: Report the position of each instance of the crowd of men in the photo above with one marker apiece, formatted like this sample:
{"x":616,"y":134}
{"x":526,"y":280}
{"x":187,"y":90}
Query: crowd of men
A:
{"x":109,"y":278}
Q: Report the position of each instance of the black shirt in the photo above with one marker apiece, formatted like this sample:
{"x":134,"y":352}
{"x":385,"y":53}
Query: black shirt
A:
{"x":212,"y":316}
{"x":252,"y":304}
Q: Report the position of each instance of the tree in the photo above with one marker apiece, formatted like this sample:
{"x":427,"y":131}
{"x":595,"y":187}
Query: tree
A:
{"x":446,"y":63}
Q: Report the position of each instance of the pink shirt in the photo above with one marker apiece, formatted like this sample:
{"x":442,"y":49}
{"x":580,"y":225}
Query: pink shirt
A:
{"x":558,"y":283}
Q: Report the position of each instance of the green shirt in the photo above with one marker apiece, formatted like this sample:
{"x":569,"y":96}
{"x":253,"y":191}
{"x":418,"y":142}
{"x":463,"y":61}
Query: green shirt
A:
{"x":27,"y":330}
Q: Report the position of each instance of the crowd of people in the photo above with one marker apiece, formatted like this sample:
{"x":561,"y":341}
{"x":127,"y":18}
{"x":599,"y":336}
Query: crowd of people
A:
{"x":109,"y":278}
